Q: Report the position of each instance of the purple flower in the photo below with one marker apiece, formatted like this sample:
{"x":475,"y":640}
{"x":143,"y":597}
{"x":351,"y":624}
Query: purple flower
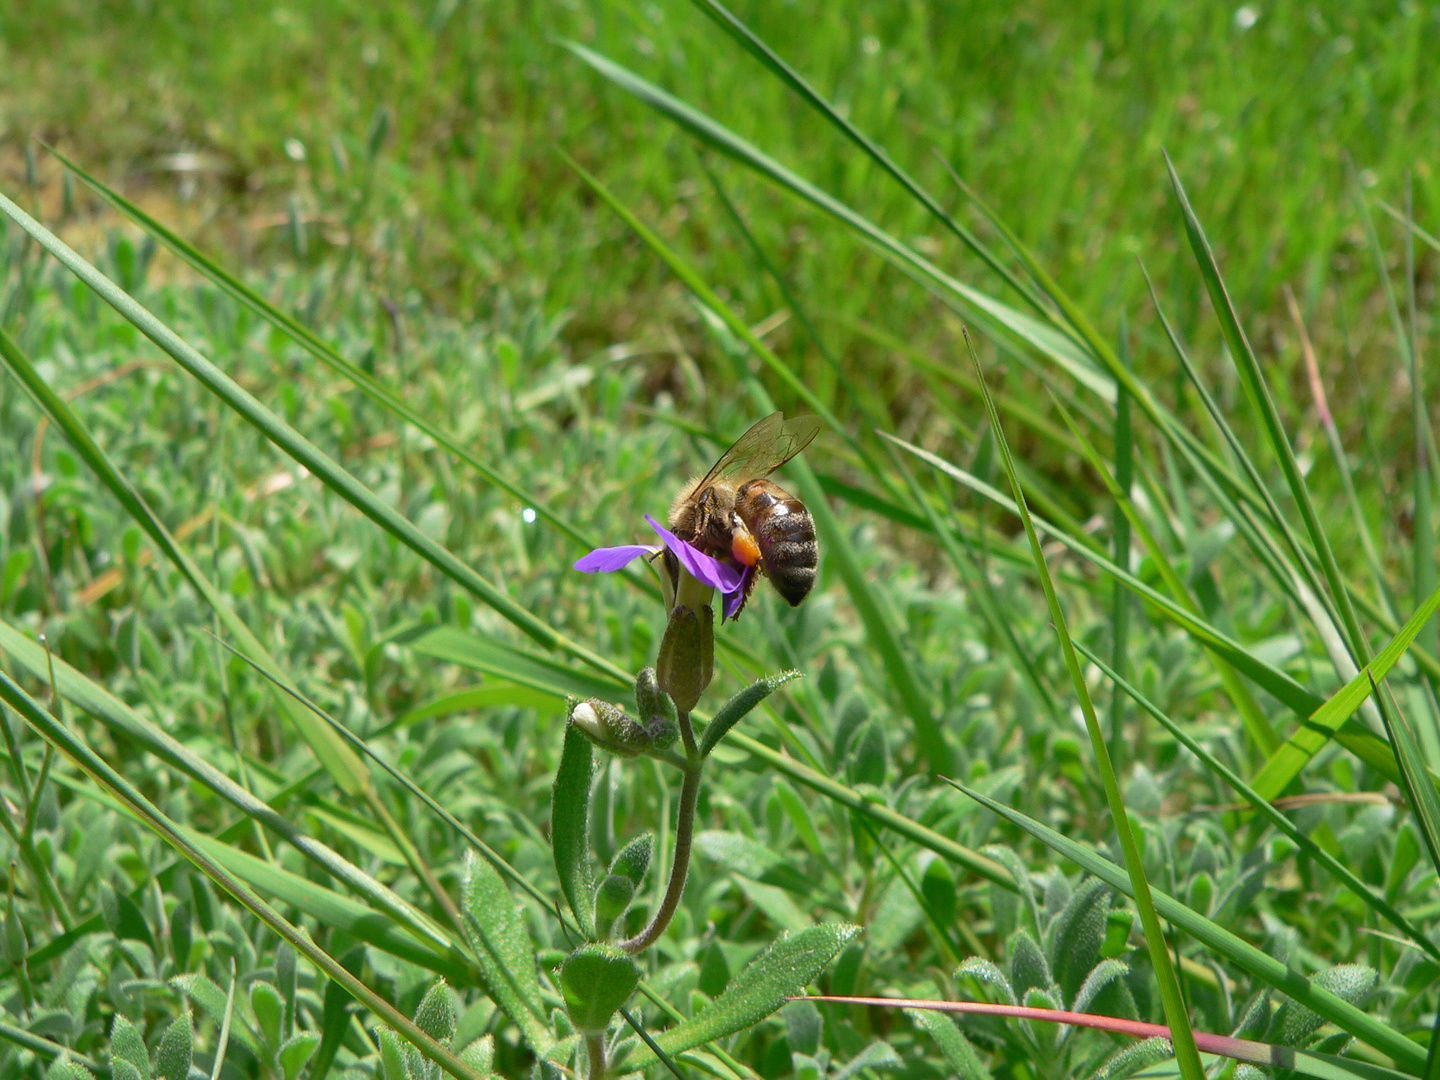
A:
{"x":733,"y":582}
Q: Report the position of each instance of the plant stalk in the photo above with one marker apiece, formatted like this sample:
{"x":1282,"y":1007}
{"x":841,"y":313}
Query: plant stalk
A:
{"x":595,"y":1043}
{"x":680,"y":864}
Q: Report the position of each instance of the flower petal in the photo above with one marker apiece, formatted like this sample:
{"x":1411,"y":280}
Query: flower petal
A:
{"x":734,"y":600}
{"x":702,"y":567}
{"x":603,"y":560}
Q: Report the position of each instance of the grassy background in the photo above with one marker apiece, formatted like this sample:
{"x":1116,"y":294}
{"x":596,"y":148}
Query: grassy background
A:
{"x":387,"y":171}
{"x":1055,"y":112}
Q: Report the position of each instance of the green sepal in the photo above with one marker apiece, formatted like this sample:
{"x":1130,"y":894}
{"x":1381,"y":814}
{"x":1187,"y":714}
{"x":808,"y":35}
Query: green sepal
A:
{"x":595,"y":981}
{"x":653,"y":703}
{"x":736,"y":709}
{"x":687,"y":655}
{"x":570,"y":826}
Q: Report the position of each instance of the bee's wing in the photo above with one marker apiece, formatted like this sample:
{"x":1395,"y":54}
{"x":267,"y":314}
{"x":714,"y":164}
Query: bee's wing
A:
{"x":765,"y":447}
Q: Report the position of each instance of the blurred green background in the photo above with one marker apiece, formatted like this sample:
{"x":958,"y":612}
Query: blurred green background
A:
{"x":417,"y":139}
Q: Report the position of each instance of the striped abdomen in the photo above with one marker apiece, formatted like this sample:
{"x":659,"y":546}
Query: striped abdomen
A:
{"x":785,"y":533}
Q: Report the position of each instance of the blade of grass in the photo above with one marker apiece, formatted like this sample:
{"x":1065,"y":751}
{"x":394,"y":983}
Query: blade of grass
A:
{"x":1018,"y":411}
{"x":1274,"y":681}
{"x":123,"y":720}
{"x":323,"y":352}
{"x":1267,"y":809}
{"x":349,"y":774}
{"x":1257,"y":725}
{"x":863,"y":400}
{"x":1424,"y":802}
{"x":302,"y":450}
{"x":797,"y":83}
{"x":1337,"y":450}
{"x":1262,"y":400}
{"x":1294,"y":576}
{"x":978,"y":586}
{"x":1120,"y":547}
{"x":175,"y":836}
{"x":1424,"y":517}
{"x":1046,"y":338}
{"x":1183,"y":1039}
{"x":879,"y":624}
{"x":1409,"y":223}
{"x":1325,"y":722}
{"x":492,"y":856}
{"x":1241,"y":953}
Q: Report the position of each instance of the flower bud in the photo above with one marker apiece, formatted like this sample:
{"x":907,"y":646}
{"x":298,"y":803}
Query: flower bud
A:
{"x":652,"y":702}
{"x":609,"y":728}
{"x":687,"y":655}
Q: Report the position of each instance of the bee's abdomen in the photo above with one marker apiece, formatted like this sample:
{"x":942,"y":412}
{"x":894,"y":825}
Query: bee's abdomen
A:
{"x":785,"y":532}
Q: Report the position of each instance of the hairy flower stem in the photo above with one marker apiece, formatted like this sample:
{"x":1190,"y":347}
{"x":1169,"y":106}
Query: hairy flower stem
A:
{"x":687,"y":737}
{"x":595,"y":1043}
{"x":680,"y":864}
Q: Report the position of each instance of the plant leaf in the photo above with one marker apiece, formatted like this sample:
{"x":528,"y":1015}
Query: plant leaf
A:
{"x":301,"y":449}
{"x":739,"y":706}
{"x":780,"y":972}
{"x":497,"y":933}
{"x":338,"y":759}
{"x":570,"y":827}
{"x":1323,"y":723}
{"x":1239,"y":952}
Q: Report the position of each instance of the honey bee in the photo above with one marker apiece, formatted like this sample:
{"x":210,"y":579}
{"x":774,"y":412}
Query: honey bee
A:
{"x":733,"y":512}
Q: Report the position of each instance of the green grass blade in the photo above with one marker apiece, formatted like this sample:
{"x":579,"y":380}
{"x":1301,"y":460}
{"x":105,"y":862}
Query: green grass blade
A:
{"x":301,"y":449}
{"x":737,"y":326}
{"x":480,"y":652}
{"x":1018,"y":411}
{"x":817,"y":781}
{"x":1323,"y":723}
{"x":125,"y":721}
{"x":1274,"y":681}
{"x":1342,"y":460}
{"x":798,"y":84}
{"x":861,"y":399}
{"x":1284,"y":572}
{"x":1268,"y":810}
{"x":1120,"y":547}
{"x":331,"y":909}
{"x":1239,"y":952}
{"x":1424,"y":802}
{"x":174,"y":835}
{"x":1262,"y":400}
{"x":348,"y":772}
{"x":1257,"y":725}
{"x":318,"y":348}
{"x":1042,"y":336}
{"x":1424,"y":522}
{"x":983,"y":594}
{"x":1176,"y":1014}
{"x":1401,"y":218}
{"x":879,"y":623}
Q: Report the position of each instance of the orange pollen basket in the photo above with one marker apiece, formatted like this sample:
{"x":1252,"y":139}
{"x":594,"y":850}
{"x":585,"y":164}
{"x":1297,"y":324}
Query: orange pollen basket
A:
{"x":744,"y":548}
